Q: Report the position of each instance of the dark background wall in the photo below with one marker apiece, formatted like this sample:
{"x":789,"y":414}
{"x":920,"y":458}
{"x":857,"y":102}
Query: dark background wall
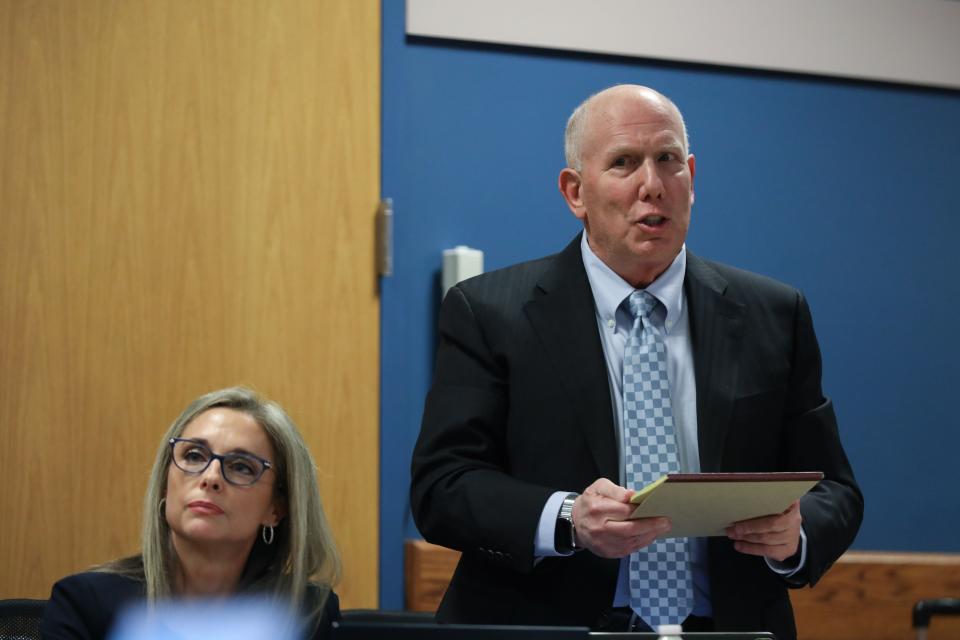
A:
{"x":844,"y":189}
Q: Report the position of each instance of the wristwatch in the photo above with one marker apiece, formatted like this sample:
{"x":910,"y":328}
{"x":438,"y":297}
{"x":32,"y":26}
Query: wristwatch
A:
{"x":565,"y":533}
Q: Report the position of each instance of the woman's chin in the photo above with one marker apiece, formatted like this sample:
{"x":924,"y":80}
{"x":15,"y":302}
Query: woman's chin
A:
{"x":204,"y":533}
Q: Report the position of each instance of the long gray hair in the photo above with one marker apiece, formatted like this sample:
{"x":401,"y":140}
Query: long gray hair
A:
{"x":303,"y":551}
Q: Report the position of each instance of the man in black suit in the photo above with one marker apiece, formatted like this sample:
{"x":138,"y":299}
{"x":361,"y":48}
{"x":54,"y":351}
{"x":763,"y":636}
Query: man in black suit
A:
{"x":520,"y":460}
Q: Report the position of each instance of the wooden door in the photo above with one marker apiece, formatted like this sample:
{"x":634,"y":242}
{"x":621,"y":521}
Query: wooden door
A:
{"x":187,"y":199}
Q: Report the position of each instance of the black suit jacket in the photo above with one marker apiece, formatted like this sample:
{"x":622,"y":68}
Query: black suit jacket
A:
{"x":85,"y":606}
{"x":520,"y":407}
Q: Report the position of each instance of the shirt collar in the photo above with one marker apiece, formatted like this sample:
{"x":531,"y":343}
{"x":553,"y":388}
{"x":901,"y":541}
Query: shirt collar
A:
{"x":610,"y":290}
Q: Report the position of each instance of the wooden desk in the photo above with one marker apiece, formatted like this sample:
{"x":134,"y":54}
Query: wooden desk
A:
{"x":864,"y":596}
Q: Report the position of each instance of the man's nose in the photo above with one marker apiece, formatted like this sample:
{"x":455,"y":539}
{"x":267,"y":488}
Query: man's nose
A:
{"x":651,"y":186}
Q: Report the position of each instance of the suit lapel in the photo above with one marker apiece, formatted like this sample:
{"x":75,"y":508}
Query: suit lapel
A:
{"x":716,"y":331}
{"x":562,"y":315}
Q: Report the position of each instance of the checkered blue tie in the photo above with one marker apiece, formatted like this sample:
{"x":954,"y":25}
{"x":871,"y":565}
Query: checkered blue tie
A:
{"x":661,"y":585}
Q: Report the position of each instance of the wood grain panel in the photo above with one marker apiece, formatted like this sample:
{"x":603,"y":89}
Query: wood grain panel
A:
{"x":428,"y":569}
{"x":865,"y":595}
{"x":187,"y":192}
{"x":871,"y":595}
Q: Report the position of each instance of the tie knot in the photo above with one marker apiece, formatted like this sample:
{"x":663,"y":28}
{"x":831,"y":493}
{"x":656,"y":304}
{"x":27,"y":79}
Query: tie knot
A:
{"x":641,"y":304}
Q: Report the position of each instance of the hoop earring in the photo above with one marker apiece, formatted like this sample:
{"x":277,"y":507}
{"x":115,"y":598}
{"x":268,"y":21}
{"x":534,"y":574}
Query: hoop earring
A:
{"x":161,"y":507}
{"x":267,"y":534}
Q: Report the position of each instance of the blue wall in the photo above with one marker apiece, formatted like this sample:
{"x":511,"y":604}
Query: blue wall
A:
{"x":844,"y":189}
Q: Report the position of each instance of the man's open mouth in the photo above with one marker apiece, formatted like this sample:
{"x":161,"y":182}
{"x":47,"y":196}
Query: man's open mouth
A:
{"x":653,"y":221}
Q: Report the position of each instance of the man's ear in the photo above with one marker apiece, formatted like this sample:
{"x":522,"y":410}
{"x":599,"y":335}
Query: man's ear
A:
{"x":692,"y":163}
{"x":570,"y":188}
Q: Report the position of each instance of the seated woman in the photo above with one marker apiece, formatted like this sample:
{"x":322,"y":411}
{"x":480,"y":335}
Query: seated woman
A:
{"x":232,"y":507}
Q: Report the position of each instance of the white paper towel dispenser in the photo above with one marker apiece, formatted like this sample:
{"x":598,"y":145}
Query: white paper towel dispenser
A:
{"x":460,"y":263}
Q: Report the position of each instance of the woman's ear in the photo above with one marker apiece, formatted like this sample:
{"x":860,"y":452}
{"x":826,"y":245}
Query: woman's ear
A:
{"x":278,"y":511}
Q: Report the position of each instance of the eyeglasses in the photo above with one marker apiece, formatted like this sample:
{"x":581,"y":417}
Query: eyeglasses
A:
{"x":240,"y":469}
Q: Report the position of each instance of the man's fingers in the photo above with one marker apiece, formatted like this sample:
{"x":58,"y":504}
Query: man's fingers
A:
{"x":600,"y":503}
{"x":776,"y":552}
{"x":604,"y":517}
{"x":607,"y":489}
{"x":641,"y":526}
{"x":620,"y":539}
{"x":768,"y":538}
{"x":600,"y":517}
{"x":759,"y":525}
{"x":591,"y":514}
{"x":603,"y":508}
{"x":788,"y":521}
{"x":755,"y":531}
{"x":776,"y":537}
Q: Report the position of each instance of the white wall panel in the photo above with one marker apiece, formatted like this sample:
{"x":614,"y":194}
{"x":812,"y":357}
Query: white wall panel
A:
{"x":910,"y":41}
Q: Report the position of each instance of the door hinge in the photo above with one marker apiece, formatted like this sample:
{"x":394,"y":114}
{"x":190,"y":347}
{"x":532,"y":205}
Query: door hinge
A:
{"x":385,"y":238}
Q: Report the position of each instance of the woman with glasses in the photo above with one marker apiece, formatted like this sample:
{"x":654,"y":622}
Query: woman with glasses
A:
{"x":232,"y":508}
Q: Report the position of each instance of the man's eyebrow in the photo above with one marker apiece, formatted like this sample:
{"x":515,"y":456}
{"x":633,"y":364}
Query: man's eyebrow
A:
{"x":673,"y":143}
{"x":622,"y":148}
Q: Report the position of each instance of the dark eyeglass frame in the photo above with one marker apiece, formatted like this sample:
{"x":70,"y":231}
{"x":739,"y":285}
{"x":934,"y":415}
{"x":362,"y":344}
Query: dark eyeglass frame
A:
{"x":216,"y":456}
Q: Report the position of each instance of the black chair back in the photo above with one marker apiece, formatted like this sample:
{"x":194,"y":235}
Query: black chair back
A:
{"x":20,"y":619}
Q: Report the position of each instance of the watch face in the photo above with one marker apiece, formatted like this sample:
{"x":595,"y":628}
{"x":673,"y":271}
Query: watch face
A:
{"x":562,"y":536}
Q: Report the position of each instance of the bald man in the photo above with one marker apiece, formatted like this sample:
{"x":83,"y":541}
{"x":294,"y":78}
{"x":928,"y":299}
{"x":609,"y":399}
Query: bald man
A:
{"x":522,"y":462}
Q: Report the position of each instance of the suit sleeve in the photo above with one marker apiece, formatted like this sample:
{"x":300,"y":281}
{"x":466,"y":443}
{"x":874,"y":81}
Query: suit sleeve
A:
{"x":833,"y":510}
{"x":462,"y":494}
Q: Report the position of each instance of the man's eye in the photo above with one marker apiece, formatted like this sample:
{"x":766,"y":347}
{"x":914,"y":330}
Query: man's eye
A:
{"x":621,"y":162}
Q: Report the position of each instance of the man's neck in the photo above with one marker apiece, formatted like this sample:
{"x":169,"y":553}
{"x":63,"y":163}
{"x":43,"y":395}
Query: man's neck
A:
{"x":638,"y":276}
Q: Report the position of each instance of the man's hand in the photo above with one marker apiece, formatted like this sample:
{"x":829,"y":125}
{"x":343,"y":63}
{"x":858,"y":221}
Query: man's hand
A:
{"x":600,"y":518}
{"x":776,"y":537}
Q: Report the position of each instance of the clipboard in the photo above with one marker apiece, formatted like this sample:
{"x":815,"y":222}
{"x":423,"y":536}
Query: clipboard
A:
{"x":704,"y":504}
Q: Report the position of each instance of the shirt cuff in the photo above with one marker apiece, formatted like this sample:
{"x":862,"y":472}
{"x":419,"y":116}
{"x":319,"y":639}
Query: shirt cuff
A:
{"x":543,"y":544}
{"x":785,"y":569}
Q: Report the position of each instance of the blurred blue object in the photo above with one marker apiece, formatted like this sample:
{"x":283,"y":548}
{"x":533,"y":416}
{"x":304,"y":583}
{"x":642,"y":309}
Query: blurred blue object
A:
{"x":207,"y":620}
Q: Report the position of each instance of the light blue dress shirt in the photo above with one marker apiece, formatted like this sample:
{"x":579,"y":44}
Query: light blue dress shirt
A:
{"x":613,"y":322}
